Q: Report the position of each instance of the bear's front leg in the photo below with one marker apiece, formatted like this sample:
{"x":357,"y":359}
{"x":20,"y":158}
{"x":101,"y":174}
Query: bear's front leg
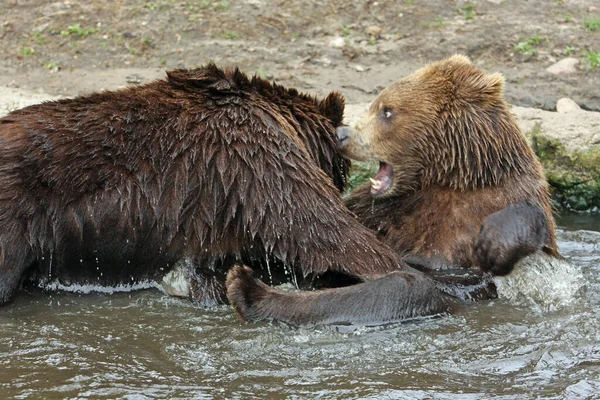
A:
{"x":511,"y":234}
{"x":394,"y":297}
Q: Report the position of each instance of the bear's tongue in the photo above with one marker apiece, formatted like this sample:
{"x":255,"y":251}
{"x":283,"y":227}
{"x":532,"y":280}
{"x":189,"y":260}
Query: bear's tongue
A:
{"x":383,"y":180}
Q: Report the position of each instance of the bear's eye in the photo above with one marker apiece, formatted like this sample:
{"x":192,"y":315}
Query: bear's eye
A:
{"x":386,"y":112}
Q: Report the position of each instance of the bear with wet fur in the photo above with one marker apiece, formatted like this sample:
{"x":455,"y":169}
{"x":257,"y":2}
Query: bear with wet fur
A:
{"x":451,"y":156}
{"x":458,"y":188}
{"x":207,"y":167}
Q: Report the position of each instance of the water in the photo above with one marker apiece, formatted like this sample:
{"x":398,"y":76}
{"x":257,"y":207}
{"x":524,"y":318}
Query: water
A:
{"x":144,"y":345}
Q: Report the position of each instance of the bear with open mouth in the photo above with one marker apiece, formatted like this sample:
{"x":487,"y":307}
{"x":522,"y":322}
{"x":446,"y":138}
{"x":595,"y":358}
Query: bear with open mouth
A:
{"x":457,"y":187}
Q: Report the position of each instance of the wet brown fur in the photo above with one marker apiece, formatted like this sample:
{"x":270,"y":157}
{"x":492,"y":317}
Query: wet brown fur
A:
{"x":208,"y":165}
{"x":458,"y":156}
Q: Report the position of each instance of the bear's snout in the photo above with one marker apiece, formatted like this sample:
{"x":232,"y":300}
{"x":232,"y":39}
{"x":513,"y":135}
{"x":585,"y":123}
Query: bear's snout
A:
{"x":343,"y":134}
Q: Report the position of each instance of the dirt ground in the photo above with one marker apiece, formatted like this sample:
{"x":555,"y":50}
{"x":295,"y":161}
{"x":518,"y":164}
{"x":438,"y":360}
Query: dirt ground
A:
{"x":357,"y":47}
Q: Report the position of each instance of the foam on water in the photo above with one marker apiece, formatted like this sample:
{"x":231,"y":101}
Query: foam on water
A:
{"x":543,"y":281}
{"x":90,"y":288}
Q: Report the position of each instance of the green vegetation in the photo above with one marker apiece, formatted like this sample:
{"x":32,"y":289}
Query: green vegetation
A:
{"x":77,"y":30}
{"x":203,"y":5}
{"x":439,"y":22}
{"x":222,"y":6}
{"x":27,"y":51}
{"x":575,"y":178}
{"x":469,"y":10}
{"x":39,"y":39}
{"x":528,"y":47}
{"x":592,"y":24}
{"x":263,"y":74}
{"x":230,"y":35}
{"x":360,"y":173}
{"x":372,"y":41}
{"x":569,"y":50}
{"x":409,"y":2}
{"x":50,"y":65}
{"x":345,"y":30}
{"x":594,"y":59}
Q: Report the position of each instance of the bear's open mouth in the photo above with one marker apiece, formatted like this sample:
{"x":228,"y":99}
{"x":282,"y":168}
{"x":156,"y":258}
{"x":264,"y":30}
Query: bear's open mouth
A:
{"x":383,"y":180}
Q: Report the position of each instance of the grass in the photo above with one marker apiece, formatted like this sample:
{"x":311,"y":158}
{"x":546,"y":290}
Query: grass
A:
{"x":594,"y":59}
{"x":372,"y":41}
{"x":528,"y":47}
{"x":39,"y":39}
{"x":469,"y":10}
{"x":50,"y":65}
{"x":592,"y":24}
{"x":27,"y":51}
{"x":230,"y":35}
{"x":345,"y":30}
{"x":569,"y":50}
{"x":222,"y":6}
{"x":263,"y":74}
{"x":77,"y":30}
{"x":409,"y":2}
{"x":439,"y":22}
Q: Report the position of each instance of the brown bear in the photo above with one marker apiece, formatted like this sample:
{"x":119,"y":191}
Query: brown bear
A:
{"x":207,"y":167}
{"x":457,"y":186}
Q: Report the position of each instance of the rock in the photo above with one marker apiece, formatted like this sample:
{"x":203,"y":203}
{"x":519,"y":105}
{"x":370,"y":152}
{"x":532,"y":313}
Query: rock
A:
{"x":564,"y":66}
{"x":12,"y":99}
{"x":133,"y":79}
{"x":361,"y":68}
{"x":374,"y":31}
{"x":566,"y":105}
{"x":325,"y":62}
{"x":285,"y":76}
{"x":568,"y":145}
{"x":566,"y":142}
{"x":337,"y":42}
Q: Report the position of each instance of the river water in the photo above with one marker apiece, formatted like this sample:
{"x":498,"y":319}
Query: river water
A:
{"x":144,"y":345}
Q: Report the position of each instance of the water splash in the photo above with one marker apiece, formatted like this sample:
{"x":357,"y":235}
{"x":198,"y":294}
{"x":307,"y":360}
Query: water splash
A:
{"x":90,"y":288}
{"x":542,"y":281}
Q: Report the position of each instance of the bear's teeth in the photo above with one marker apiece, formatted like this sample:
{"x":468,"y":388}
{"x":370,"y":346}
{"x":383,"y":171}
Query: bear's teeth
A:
{"x":375,"y":183}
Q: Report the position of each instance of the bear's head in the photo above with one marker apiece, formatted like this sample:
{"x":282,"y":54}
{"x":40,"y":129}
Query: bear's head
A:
{"x":446,"y":124}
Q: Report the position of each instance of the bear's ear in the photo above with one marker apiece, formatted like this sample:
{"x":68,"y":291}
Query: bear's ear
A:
{"x":485,"y":89}
{"x":472,"y":80}
{"x":209,"y":77}
{"x":492,"y":85}
{"x":332,"y":107}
